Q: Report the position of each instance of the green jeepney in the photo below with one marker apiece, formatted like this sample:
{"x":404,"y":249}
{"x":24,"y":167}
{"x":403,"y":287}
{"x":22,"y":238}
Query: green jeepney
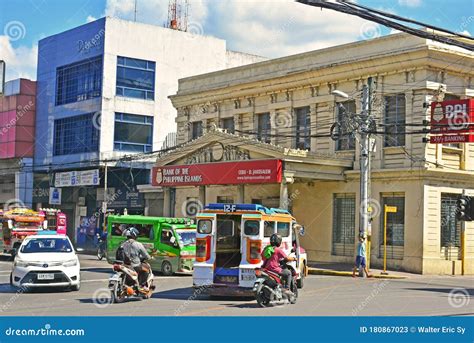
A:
{"x":171,"y":241}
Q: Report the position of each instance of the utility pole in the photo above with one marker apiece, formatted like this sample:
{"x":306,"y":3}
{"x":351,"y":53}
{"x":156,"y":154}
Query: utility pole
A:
{"x":364,"y":140}
{"x":104,"y":204}
{"x":362,"y":124}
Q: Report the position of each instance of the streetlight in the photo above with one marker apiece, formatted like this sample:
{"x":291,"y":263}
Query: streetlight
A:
{"x":340,"y":94}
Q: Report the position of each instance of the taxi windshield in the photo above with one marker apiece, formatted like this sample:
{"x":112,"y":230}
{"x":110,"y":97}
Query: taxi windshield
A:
{"x":187,"y":237}
{"x":47,"y":245}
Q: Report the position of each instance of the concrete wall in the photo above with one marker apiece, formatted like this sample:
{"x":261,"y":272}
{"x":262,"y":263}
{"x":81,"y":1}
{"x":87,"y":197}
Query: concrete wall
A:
{"x":55,"y":51}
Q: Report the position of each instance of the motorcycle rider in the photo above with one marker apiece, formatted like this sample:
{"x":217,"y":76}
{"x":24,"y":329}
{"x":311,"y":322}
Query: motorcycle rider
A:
{"x":134,"y":252}
{"x":273,"y":262}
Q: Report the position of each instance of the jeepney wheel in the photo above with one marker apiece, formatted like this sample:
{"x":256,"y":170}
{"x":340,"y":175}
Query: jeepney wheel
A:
{"x":166,"y":268}
{"x":300,"y":281}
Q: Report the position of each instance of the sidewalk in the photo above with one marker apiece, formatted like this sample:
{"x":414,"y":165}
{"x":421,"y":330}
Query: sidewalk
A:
{"x":345,"y":269}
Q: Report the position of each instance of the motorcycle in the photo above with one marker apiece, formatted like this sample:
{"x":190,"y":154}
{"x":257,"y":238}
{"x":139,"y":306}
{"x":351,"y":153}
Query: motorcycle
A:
{"x":268,"y":287}
{"x":124,"y":283}
{"x":101,"y":247}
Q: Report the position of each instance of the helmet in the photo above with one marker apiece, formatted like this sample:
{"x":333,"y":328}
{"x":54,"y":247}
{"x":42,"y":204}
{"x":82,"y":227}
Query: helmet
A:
{"x":275,"y":240}
{"x":131,"y":233}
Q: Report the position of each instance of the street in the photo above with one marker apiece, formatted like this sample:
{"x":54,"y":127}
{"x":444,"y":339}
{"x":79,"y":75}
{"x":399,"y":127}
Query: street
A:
{"x":321,"y":296}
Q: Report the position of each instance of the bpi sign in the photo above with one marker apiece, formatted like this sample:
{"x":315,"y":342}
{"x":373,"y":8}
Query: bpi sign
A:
{"x":453,"y":117}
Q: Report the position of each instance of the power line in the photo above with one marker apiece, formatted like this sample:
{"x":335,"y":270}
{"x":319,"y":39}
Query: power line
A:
{"x":345,"y":8}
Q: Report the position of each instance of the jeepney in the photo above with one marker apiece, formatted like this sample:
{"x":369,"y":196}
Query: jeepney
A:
{"x":16,"y":225}
{"x":171,"y":241}
{"x":56,"y":220}
{"x":229,"y":242}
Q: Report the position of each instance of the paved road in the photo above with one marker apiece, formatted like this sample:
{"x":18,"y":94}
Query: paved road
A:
{"x":322,"y":296}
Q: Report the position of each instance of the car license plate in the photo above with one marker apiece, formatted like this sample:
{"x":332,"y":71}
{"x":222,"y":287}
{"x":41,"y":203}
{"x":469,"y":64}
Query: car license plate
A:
{"x":45,"y":276}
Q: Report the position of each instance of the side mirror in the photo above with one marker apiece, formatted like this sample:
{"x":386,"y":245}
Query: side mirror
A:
{"x":10,"y":224}
{"x":45,"y":225}
{"x":173,"y":240}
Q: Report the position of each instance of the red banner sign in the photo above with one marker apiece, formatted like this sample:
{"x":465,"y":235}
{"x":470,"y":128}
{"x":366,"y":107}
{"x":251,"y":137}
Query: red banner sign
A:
{"x":222,"y":173}
{"x":452,"y":116}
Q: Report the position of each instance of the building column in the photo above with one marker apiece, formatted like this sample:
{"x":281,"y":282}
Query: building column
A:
{"x":166,"y":202}
{"x":240,"y":194}
{"x":202,"y":195}
{"x":284,"y":194}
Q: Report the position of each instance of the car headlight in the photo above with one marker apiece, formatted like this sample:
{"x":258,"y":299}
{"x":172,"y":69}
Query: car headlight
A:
{"x":20,"y":263}
{"x":70,"y":263}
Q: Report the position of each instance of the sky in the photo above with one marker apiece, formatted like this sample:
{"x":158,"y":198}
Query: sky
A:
{"x":270,"y":28}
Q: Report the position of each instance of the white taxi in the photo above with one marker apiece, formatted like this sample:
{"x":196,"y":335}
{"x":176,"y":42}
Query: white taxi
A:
{"x":46,"y":261}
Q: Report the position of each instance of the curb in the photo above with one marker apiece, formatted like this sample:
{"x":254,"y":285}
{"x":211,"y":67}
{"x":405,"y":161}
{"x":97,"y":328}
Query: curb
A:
{"x":316,"y":271}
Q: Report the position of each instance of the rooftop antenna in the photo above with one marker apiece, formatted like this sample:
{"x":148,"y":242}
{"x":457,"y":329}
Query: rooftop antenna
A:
{"x":135,"y":12}
{"x":178,"y":15}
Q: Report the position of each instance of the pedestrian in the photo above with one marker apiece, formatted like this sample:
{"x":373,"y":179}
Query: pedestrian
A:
{"x":361,"y":258}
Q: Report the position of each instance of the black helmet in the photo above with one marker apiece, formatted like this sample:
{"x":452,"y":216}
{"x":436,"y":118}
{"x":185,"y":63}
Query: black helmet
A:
{"x":275,"y":240}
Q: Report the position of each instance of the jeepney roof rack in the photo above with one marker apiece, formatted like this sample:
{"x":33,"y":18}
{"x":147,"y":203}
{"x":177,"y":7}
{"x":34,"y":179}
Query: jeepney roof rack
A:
{"x":279,"y":210}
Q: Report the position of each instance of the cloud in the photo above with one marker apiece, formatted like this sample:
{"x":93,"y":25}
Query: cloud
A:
{"x":271,"y":28}
{"x":90,"y":18}
{"x":20,"y":61}
{"x":275,"y":28}
{"x":465,"y":32}
{"x":410,"y":3}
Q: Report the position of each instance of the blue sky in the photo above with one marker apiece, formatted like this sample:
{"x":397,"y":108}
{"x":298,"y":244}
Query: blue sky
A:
{"x":266,"y":27}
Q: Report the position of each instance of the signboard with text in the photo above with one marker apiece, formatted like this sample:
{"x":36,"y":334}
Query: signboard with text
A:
{"x":55,"y":196}
{"x":452,"y":121}
{"x":223,"y":173}
{"x":77,"y":178}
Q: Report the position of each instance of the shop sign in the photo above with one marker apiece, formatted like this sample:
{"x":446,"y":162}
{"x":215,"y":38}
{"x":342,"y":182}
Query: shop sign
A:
{"x":222,"y":173}
{"x":127,"y":198}
{"x":55,"y":196}
{"x":77,"y":178}
{"x":452,"y":121}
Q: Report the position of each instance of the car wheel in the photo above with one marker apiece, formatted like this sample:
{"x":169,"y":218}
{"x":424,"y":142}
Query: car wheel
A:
{"x":166,"y":268}
{"x":300,"y":281}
